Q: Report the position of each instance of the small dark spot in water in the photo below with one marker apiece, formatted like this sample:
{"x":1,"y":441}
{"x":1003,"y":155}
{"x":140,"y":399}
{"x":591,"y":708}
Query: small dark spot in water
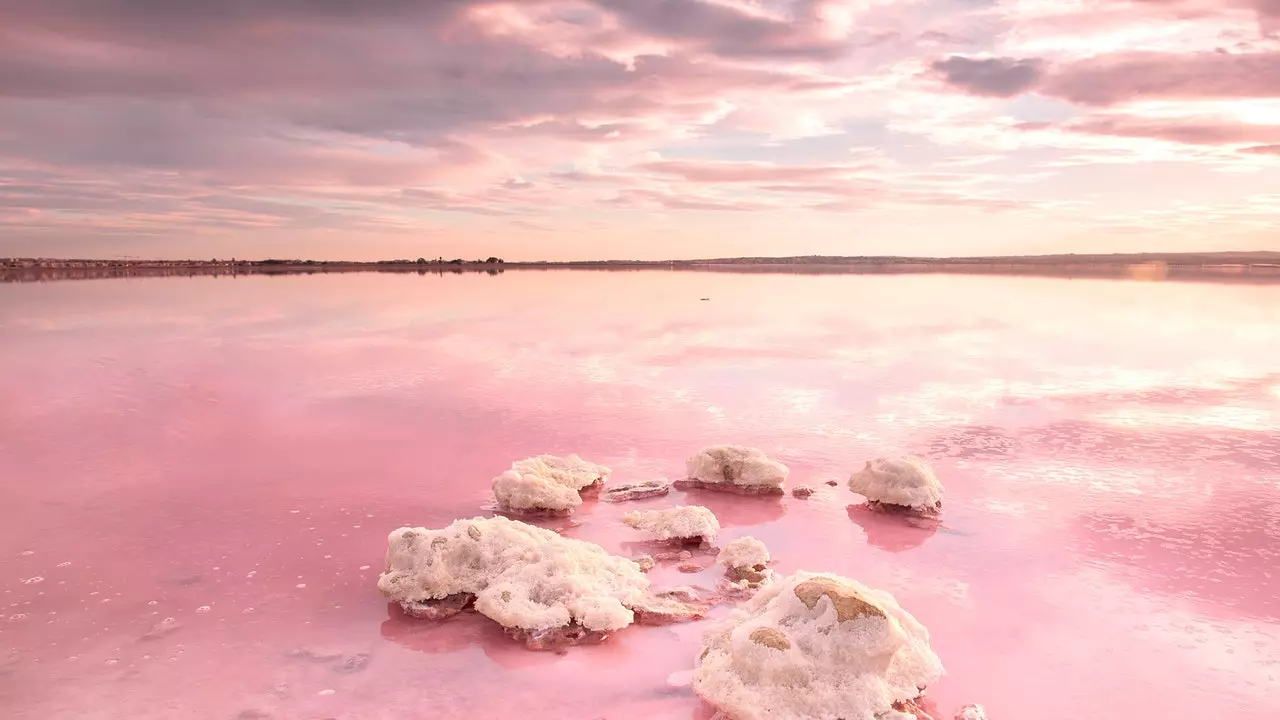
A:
{"x":353,"y":664}
{"x":189,"y":580}
{"x":253,"y":715}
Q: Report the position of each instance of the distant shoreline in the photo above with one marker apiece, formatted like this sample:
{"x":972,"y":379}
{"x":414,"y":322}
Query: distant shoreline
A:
{"x":1260,"y":267}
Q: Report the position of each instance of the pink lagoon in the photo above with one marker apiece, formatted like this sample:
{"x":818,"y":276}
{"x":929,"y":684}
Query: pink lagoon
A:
{"x":198,"y":477}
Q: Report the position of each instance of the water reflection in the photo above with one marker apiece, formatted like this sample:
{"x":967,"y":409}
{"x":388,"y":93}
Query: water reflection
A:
{"x":894,"y":533}
{"x":1113,"y":472}
{"x":1224,"y":557}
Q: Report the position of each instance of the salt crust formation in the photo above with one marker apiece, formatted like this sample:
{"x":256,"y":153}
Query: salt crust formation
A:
{"x":734,"y":468}
{"x":903,"y":484}
{"x":816,"y":647}
{"x":546,"y":485}
{"x":679,"y":525}
{"x":636,"y":491}
{"x":745,"y":563}
{"x":546,"y":590}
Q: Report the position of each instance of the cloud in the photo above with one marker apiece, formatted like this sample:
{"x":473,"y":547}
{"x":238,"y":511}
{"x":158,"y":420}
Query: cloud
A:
{"x":810,"y":30}
{"x":744,"y":172}
{"x":1112,"y":79}
{"x":991,"y":77}
{"x":666,"y":200}
{"x":1192,"y":131}
{"x":399,"y":118}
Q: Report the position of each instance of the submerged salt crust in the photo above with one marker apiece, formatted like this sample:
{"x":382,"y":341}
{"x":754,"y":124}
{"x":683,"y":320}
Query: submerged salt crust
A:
{"x":521,"y":576}
{"x":546,"y":483}
{"x":736,"y":467}
{"x":815,"y":646}
{"x":907,"y":482}
{"x":683,"y":523}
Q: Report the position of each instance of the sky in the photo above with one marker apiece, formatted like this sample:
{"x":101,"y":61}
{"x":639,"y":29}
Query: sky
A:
{"x":645,"y":129}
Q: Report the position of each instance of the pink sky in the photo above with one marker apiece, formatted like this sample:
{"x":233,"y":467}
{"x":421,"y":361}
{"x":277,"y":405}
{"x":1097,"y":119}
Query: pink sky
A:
{"x":545,"y":129}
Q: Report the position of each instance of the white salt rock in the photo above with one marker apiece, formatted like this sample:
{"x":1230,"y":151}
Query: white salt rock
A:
{"x":680,"y":524}
{"x":570,"y":471}
{"x":734,"y":467}
{"x":743,"y":553}
{"x":521,"y":576}
{"x":853,"y":650}
{"x":972,"y":712}
{"x":529,"y":493}
{"x":745,"y":560}
{"x":546,"y":484}
{"x":906,"y":482}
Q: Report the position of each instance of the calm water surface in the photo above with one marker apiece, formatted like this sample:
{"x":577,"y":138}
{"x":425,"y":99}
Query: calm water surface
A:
{"x":230,"y":454}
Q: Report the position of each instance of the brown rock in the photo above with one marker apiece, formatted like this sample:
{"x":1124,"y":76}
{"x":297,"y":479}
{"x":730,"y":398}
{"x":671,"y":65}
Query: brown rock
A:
{"x":848,"y":603}
{"x":801,"y":491}
{"x":439,"y":609}
{"x":637,"y":491}
{"x":557,"y":639}
{"x":671,"y":606}
{"x":677,"y":555}
{"x":693,"y":484}
{"x":932,"y":511}
{"x":752,"y":575}
{"x":917,"y":707}
{"x":770,"y":637}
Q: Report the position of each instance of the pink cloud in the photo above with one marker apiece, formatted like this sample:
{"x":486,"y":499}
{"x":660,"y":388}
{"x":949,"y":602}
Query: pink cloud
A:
{"x":1111,"y":79}
{"x":492,"y":118}
{"x":1188,"y":131}
{"x":665,"y":200}
{"x":744,"y":172}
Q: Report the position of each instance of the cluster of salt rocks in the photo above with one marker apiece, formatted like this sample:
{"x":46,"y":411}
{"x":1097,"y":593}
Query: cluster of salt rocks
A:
{"x":545,"y":589}
{"x":806,"y":646}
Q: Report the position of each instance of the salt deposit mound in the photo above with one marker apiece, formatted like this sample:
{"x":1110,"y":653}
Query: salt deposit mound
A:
{"x":545,"y":589}
{"x":570,"y":471}
{"x":816,"y":646}
{"x":734,"y":468}
{"x":904,"y":483}
{"x":972,"y":712}
{"x":745,"y":561}
{"x":680,"y":525}
{"x":546,"y":484}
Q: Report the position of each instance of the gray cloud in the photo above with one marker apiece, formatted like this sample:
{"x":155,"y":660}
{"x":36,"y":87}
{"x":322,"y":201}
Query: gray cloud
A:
{"x":992,"y":77}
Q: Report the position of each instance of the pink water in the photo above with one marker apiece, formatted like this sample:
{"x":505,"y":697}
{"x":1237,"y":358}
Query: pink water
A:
{"x":231,"y":453}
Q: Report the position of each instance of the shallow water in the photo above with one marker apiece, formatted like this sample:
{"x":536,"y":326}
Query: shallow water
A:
{"x":230,"y":454}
